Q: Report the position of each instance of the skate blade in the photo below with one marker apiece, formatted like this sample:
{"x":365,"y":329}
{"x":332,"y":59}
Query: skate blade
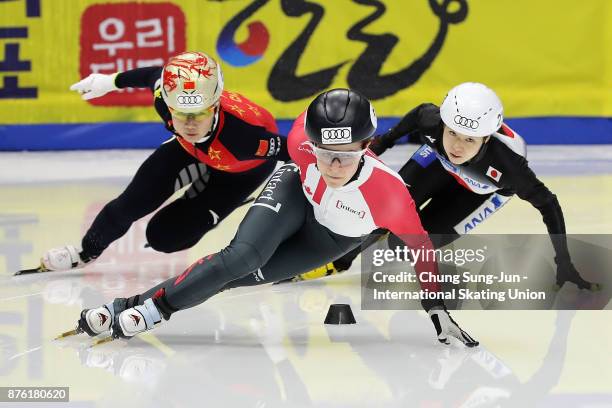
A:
{"x":39,"y":269}
{"x":102,"y":341}
{"x":68,"y":334}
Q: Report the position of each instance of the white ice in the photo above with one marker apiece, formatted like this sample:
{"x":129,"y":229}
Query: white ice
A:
{"x":267,"y":346}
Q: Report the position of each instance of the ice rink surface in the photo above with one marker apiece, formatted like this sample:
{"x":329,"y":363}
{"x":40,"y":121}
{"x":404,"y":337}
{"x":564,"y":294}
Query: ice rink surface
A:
{"x":267,"y":346}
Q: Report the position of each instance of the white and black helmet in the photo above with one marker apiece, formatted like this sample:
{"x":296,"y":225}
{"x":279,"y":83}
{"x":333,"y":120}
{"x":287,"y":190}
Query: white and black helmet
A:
{"x":340,"y":116}
{"x":472,"y":109}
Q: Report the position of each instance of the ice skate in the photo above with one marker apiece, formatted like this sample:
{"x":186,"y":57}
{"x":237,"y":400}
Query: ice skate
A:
{"x":59,"y":259}
{"x":95,"y":322}
{"x":136,"y":320}
{"x":92,"y":321}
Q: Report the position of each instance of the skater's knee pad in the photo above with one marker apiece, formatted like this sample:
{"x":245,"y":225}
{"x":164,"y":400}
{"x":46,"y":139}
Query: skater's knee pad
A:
{"x":160,"y":240}
{"x":168,"y":233}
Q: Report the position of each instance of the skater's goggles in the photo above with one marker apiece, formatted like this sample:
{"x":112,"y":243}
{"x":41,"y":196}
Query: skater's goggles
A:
{"x":343,"y":158}
{"x":201,"y":115}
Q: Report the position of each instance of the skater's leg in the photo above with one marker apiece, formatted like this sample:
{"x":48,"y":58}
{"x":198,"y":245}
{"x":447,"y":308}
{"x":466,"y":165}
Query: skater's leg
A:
{"x":345,"y":261}
{"x":278,"y":213}
{"x":154,"y":182}
{"x":209,"y":200}
{"x":313,"y":245}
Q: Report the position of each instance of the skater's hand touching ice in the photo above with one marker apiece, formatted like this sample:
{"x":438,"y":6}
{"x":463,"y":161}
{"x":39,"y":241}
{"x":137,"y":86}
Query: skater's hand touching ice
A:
{"x":566,"y":272}
{"x":446,"y":327}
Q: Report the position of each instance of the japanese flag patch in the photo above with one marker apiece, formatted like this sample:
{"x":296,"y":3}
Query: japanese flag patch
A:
{"x":493,"y":173}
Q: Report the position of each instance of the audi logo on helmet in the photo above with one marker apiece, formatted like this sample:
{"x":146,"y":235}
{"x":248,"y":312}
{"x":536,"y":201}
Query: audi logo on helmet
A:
{"x":190,"y":101}
{"x":338,"y":135}
{"x":466,"y":122}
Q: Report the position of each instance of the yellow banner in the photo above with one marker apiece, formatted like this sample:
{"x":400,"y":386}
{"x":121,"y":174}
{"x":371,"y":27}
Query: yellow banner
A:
{"x":544,"y":58}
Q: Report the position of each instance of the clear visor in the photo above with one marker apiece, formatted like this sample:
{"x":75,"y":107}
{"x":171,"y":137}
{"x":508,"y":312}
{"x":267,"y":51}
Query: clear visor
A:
{"x":201,"y":115}
{"x":343,"y":158}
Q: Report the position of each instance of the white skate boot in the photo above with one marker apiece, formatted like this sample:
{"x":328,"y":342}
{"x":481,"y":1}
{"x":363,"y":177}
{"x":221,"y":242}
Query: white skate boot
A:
{"x":96,"y":321}
{"x":99,"y":320}
{"x":136,"y":320}
{"x":62,"y":259}
{"x":116,"y":319}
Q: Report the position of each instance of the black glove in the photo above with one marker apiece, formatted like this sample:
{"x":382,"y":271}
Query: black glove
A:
{"x":381,"y":143}
{"x":566,"y":272}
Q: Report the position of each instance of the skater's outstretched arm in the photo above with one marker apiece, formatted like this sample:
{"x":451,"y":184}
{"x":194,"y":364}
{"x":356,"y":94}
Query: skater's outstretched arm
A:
{"x":423,"y":118}
{"x":529,"y":188}
{"x":97,"y":85}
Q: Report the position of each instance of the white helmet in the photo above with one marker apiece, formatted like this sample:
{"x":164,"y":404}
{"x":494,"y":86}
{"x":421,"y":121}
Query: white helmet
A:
{"x":472,"y":109}
{"x":191,"y":82}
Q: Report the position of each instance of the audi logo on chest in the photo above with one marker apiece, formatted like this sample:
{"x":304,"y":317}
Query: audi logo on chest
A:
{"x":338,"y":135}
{"x":190,"y":101}
{"x":466,"y":122}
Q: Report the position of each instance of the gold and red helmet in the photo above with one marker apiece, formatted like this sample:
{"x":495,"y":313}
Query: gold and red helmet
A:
{"x":191,"y":82}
